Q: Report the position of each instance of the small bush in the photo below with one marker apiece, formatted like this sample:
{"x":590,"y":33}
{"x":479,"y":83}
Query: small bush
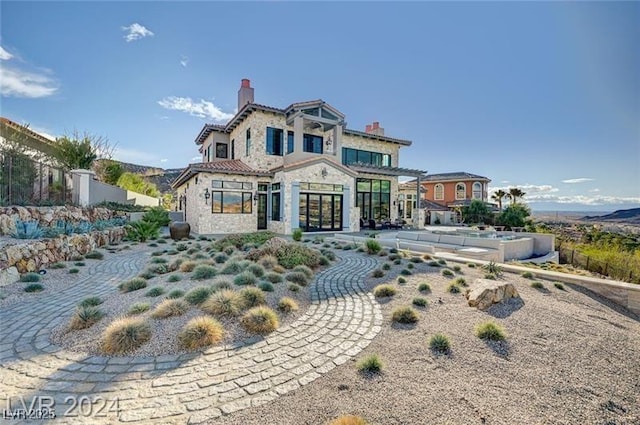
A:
{"x":158,"y":260}
{"x":493,"y":268}
{"x":253,"y":297}
{"x":439,"y":343}
{"x":256,"y":269}
{"x":405,"y":272}
{"x":377,"y":273}
{"x":174,"y":278}
{"x":442,"y":262}
{"x":471,"y":265}
{"x":404,"y":315}
{"x":77,"y":258}
{"x":138,"y":308}
{"x":370,"y":364}
{"x":266,"y":286}
{"x":94,"y":255}
{"x":220,"y":258}
{"x":232,"y":267}
{"x":447,"y":273}
{"x":188,"y":266}
{"x":527,"y":275}
{"x":85,"y":317}
{"x":79,"y":263}
{"x":90,"y":302}
{"x":273,"y":277}
{"x":304,"y":269}
{"x":402,"y":280}
{"x":416,"y":260}
{"x":260,"y":320}
{"x":453,"y":288}
{"x":158,"y":269}
{"x":295,"y":254}
{"x":74,"y":270}
{"x":559,"y":285}
{"x":125,"y":335}
{"x":133,"y":285}
{"x":434,"y":264}
{"x":57,"y":266}
{"x":245,"y":278}
{"x":268,"y":261}
{"x":427,"y":257}
{"x":296,"y":235}
{"x":384,"y":291}
{"x":373,"y":246}
{"x":279,"y":269}
{"x":424,"y":287}
{"x":537,"y":285}
{"x":198,"y":295}
{"x":490,"y":331}
{"x":461,"y":281}
{"x":176,"y":293}
{"x":490,"y":276}
{"x":293,"y":287}
{"x":457,"y":269}
{"x":34,"y":287}
{"x":169,"y":308}
{"x":203,"y":271}
{"x":410,"y":266}
{"x":192,"y":251}
{"x":181,"y":247}
{"x":397,"y":261}
{"x":287,"y":305}
{"x":224,"y":303}
{"x":297,"y":277}
{"x":201,"y":332}
{"x":141,"y":231}
{"x":393,"y":251}
{"x":30,"y":277}
{"x":386,"y":266}
{"x":156,"y":291}
{"x":420,"y":301}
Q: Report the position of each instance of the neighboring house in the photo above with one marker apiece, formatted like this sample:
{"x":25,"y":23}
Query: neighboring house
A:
{"x":283,"y":169}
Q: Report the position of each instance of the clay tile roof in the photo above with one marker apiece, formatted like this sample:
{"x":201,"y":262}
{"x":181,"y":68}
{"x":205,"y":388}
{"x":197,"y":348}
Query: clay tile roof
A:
{"x":228,"y":166}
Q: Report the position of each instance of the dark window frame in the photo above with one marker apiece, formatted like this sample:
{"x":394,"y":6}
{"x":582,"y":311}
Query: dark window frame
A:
{"x":274,"y":141}
{"x":226,"y":150}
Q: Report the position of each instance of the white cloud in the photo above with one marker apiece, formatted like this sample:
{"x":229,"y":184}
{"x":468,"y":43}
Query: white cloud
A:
{"x":136,"y":32}
{"x":201,"y":109}
{"x":528,"y":189}
{"x":17,"y":83}
{"x":4,"y":55}
{"x":596,"y":190}
{"x":184,"y":61}
{"x":579,"y":180}
{"x":164,"y":160}
{"x":196,"y":158}
{"x":583,"y":200}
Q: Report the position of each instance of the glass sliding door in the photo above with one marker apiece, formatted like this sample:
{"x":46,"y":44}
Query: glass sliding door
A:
{"x":320,"y":212}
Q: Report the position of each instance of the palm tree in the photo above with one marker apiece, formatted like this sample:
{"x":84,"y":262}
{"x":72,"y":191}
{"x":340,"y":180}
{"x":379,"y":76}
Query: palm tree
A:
{"x":514,"y":194}
{"x":498,"y":196}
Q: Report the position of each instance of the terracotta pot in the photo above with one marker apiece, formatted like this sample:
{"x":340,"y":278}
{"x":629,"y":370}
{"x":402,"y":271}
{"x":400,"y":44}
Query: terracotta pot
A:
{"x":179,"y":230}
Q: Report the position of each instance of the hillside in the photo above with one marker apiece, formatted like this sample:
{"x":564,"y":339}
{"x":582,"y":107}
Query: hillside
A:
{"x":160,"y":177}
{"x":629,"y":216}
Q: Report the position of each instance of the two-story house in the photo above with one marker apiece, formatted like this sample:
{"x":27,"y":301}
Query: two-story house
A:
{"x":283,"y":169}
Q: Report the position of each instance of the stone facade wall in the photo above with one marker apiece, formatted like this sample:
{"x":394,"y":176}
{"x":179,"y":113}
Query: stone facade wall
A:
{"x":258,"y":122}
{"x":48,"y":216}
{"x":38,"y":254}
{"x":363,"y":143}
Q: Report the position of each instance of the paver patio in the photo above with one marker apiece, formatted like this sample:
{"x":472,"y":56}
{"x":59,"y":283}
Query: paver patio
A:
{"x":189,"y":388}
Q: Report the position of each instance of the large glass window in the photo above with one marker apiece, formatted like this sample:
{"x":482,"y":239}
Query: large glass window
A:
{"x":231,"y":202}
{"x":312,"y":143}
{"x":275,"y":202}
{"x":461,"y":191}
{"x":373,"y":197}
{"x":274,"y":141}
{"x":289,"y":142}
{"x":351,"y":156}
{"x":222,"y":150}
{"x":320,"y":212}
{"x":248,"y":142}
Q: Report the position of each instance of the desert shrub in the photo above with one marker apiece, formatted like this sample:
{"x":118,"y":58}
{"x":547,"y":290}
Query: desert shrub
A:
{"x":559,"y":285}
{"x":85,"y":317}
{"x":176,"y":293}
{"x":402,"y":280}
{"x":245,"y":278}
{"x":77,"y":258}
{"x":57,"y":266}
{"x":461,"y":281}
{"x":373,"y":246}
{"x":198,"y":295}
{"x":266,"y":286}
{"x":427,"y":257}
{"x":94,"y":255}
{"x":192,"y":251}
{"x":297,"y":277}
{"x":527,"y":275}
{"x":33,"y":287}
{"x":158,"y":269}
{"x":537,"y":285}
{"x":442,"y":262}
{"x":74,"y":270}
{"x":203,"y":271}
{"x":287,"y":305}
{"x":201,"y":332}
{"x":220,"y":257}
{"x":222,"y":284}
{"x":397,"y":261}
{"x":273,"y":277}
{"x":370,"y":364}
{"x":384,"y":291}
{"x":293,"y":287}
{"x":138,"y":308}
{"x":405,"y":272}
{"x":296,"y":235}
{"x":471,"y":265}
{"x":490,"y":331}
{"x":404,"y":314}
{"x":125,"y":334}
{"x":133,"y":284}
{"x":187,"y":266}
{"x":252,"y":297}
{"x":158,"y":260}
{"x":256,"y":269}
{"x":493,"y":268}
{"x":174,"y":278}
{"x":424,"y":287}
{"x":79,"y":263}
{"x":377,"y":273}
{"x":30,"y":277}
{"x":410,"y":266}
{"x":416,"y":260}
{"x":394,"y":256}
{"x":169,"y":308}
{"x":434,"y":264}
{"x":324,"y":261}
{"x":199,"y":256}
{"x":420,"y":301}
{"x":278,"y":269}
{"x":141,"y":231}
{"x":295,"y":254}
{"x":90,"y":302}
{"x":453,"y":288}
{"x":268,"y":261}
{"x":447,"y":273}
{"x":439,"y":343}
{"x":361,"y":249}
{"x":260,"y":320}
{"x":457,"y":269}
{"x":181,"y":247}
{"x":490,"y":276}
{"x":304,"y":269}
{"x":224,"y":303}
{"x":386,"y":266}
{"x":232,"y":267}
{"x":329,"y":254}
{"x":156,"y":291}
{"x":157,"y":215}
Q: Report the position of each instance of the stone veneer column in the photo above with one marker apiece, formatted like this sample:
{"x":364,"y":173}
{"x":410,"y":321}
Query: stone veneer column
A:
{"x":295,"y":206}
{"x":346,"y":208}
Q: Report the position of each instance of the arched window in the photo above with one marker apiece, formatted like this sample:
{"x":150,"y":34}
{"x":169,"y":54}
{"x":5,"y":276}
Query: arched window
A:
{"x":461,"y":191}
{"x":439,"y":192}
{"x":477,"y":190}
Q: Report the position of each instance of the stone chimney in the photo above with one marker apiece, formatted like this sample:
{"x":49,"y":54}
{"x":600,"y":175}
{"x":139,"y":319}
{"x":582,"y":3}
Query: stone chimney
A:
{"x":245,"y":94}
{"x":374,"y":129}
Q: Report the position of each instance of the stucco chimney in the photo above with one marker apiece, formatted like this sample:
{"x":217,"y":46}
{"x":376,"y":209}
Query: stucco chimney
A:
{"x":245,"y":94}
{"x":375,"y":129}
{"x":368,"y":128}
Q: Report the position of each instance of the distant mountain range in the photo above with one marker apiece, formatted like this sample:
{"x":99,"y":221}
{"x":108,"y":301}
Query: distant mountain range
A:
{"x":159,"y":176}
{"x":630,"y":216}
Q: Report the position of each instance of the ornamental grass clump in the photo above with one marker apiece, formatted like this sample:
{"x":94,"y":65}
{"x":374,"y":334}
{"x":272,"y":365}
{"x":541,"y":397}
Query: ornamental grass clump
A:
{"x":57,"y":266}
{"x":203,"y":271}
{"x":295,"y":254}
{"x":252,"y":297}
{"x":386,"y":266}
{"x":224,"y":303}
{"x":245,"y":278}
{"x":490,"y":331}
{"x":304,"y":269}
{"x":133,"y":285}
{"x":537,"y":285}
{"x":420,"y":302}
{"x":85,"y":317}
{"x":402,"y":280}
{"x":169,"y":308}
{"x":201,"y":332}
{"x":176,"y":293}
{"x":30,"y":277}
{"x":377,"y":273}
{"x":370,"y":364}
{"x":559,"y":286}
{"x":232,"y":267}
{"x":138,"y":308}
{"x":287,"y":305}
{"x":447,"y":273}
{"x":33,"y":287}
{"x":156,"y":291}
{"x":187,"y":266}
{"x":94,"y":255}
{"x":424,"y":287}
{"x":372,"y":246}
{"x":404,"y":314}
{"x":256,"y":269}
{"x":266,"y":286}
{"x":385,"y":290}
{"x":198,"y":295}
{"x":174,"y":278}
{"x":293,"y":287}
{"x":273,"y":277}
{"x":125,"y":335}
{"x":297,"y":278}
{"x":260,"y":320}
{"x":405,"y":272}
{"x":453,"y":288}
{"x":439,"y":344}
{"x":90,"y":302}
{"x":527,"y":275}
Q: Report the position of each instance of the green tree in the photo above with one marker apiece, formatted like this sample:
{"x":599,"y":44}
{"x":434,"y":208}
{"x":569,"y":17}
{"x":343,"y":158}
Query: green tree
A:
{"x":514,"y":215}
{"x":108,"y":171}
{"x":80,"y":151}
{"x":135,"y":183}
{"x":477,"y":212}
{"x":515,"y":194}
{"x":498,"y":196}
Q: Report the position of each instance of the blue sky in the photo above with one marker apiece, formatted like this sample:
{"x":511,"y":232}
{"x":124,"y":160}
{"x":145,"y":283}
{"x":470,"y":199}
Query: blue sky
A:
{"x":543,"y":96}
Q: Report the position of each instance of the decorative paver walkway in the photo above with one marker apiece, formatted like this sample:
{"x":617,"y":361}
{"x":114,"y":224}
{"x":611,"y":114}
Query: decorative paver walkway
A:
{"x":189,"y":388}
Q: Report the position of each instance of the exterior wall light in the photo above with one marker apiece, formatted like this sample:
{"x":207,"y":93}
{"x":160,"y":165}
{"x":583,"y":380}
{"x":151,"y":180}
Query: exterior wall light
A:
{"x":207,"y":195}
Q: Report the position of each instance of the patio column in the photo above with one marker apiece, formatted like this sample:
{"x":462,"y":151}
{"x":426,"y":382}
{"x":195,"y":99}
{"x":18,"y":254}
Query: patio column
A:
{"x":346,"y":208}
{"x":295,"y":206}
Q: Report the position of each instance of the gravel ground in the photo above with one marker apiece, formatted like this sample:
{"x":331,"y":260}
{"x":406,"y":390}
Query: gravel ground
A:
{"x":571,"y":357}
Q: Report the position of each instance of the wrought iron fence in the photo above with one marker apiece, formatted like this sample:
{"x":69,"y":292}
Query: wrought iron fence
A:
{"x":586,"y":262}
{"x":24,"y":181}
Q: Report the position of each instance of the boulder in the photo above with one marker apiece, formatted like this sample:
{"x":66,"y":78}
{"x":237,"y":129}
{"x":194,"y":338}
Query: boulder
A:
{"x":485,"y":292}
{"x":8,"y":276}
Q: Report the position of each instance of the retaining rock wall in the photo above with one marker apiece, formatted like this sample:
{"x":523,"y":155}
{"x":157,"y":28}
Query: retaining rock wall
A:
{"x":49,"y":215}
